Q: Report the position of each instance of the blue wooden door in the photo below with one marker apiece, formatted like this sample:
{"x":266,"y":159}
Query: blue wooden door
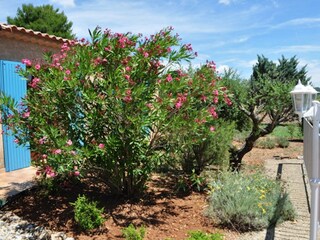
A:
{"x":15,"y":157}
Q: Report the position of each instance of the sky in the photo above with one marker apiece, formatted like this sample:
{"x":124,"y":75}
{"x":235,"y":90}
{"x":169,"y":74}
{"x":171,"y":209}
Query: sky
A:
{"x":232,"y":33}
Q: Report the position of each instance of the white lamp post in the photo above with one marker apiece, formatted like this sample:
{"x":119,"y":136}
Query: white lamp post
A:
{"x":303,"y":97}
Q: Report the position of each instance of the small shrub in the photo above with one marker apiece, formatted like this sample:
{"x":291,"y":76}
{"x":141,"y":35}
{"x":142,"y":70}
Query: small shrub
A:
{"x":198,"y":235}
{"x":183,"y":184}
{"x":248,"y":202}
{"x":203,"y":149}
{"x":87,"y":214}
{"x":266,"y":143}
{"x":282,"y":142}
{"x":132,"y":233}
{"x":192,"y":182}
{"x":290,"y":131}
{"x":198,"y":182}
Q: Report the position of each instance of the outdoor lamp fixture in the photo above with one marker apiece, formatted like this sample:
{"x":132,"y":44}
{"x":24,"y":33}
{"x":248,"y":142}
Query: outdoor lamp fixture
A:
{"x":302,"y":98}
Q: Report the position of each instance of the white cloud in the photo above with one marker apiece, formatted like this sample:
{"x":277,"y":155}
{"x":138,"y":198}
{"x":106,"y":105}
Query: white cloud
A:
{"x":222,"y":68}
{"x":225,"y":2}
{"x":297,"y":22}
{"x":64,"y":3}
{"x":241,"y":39}
{"x":137,"y":16}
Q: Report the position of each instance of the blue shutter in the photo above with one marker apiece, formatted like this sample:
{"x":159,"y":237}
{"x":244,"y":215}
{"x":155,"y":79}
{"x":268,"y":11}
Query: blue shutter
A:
{"x":15,"y":157}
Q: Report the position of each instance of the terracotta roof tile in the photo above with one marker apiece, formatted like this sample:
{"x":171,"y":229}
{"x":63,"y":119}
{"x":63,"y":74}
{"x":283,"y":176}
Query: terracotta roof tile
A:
{"x":30,"y":32}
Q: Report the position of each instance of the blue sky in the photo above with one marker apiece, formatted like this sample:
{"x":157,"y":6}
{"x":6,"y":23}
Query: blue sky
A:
{"x":230,"y":32}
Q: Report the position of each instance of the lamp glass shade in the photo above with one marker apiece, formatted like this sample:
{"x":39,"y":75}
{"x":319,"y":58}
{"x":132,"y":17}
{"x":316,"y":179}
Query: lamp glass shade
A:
{"x":302,"y":97}
{"x":298,"y":102}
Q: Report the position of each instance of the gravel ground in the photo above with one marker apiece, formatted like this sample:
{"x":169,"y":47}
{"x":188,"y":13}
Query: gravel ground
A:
{"x":13,"y":227}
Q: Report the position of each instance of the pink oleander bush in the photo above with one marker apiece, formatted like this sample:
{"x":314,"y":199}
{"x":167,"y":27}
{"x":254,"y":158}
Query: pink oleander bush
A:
{"x":107,"y":107}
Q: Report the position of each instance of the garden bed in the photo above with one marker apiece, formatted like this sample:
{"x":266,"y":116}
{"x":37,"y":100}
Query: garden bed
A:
{"x":162,"y":210}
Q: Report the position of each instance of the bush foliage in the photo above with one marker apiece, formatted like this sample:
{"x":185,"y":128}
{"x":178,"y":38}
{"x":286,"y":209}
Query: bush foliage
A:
{"x":113,"y":107}
{"x":248,"y":202}
{"x":199,"y":235}
{"x":87,"y":214}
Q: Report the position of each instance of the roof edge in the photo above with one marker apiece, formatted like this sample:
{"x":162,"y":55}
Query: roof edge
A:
{"x":45,"y":36}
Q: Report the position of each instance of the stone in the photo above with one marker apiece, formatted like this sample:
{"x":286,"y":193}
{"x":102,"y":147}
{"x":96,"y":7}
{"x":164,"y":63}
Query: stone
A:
{"x":12,"y":227}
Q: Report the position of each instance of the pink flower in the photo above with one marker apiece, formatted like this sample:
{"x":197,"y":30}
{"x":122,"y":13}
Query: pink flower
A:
{"x":127,"y":99}
{"x":101,"y":146}
{"x":76,"y":173}
{"x":212,"y":129}
{"x":26,"y":114}
{"x":178,"y":104}
{"x":215,"y":100}
{"x":37,"y":67}
{"x":69,"y":142}
{"x":65,"y":47}
{"x":57,"y":151}
{"x":42,"y":140}
{"x":122,"y":41}
{"x":73,"y":153}
{"x":188,"y":47}
{"x":149,"y":105}
{"x":16,"y":140}
{"x":34,"y":82}
{"x":68,"y":72}
{"x":128,"y":91}
{"x":216,"y":92}
{"x":203,"y":98}
{"x":27,"y":62}
{"x":212,"y":111}
{"x":228,"y":101}
{"x":44,"y":156}
{"x":169,"y":78}
{"x":145,"y":54}
{"x":211,"y":64}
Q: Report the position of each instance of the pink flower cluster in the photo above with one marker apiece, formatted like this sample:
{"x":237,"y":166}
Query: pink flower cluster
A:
{"x":57,"y":151}
{"x":212,"y":65}
{"x":34,"y":82}
{"x":49,"y":172}
{"x":42,"y":140}
{"x":182,"y":98}
{"x":26,"y":114}
{"x":128,"y":97}
{"x":169,"y":78}
{"x":27,"y":62}
{"x":128,"y":78}
{"x":212,"y":111}
{"x":123,"y":41}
